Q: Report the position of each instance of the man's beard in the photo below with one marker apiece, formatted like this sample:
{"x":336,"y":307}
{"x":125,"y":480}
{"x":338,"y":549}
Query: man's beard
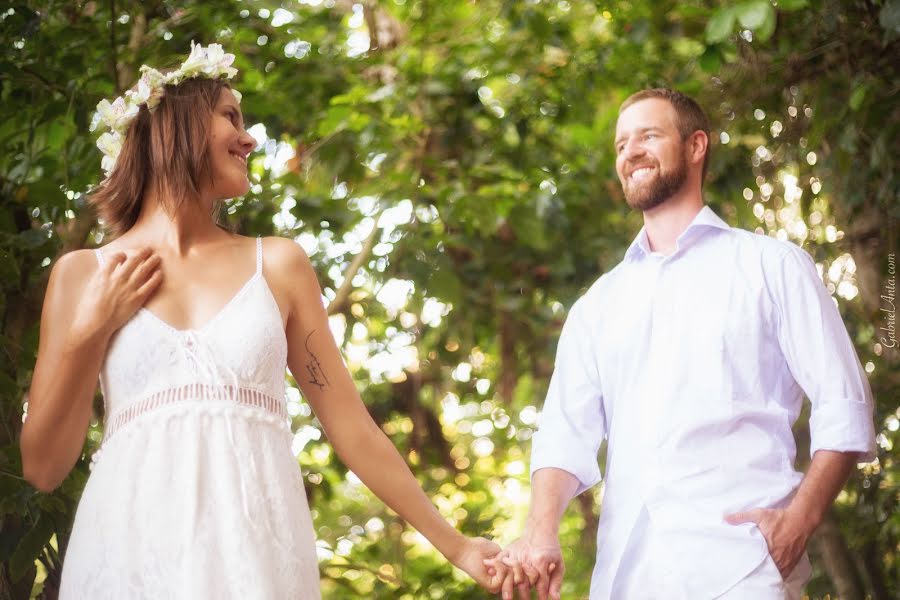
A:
{"x":653,"y":192}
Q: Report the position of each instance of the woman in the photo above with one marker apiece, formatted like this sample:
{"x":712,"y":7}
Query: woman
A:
{"x":194,"y":492}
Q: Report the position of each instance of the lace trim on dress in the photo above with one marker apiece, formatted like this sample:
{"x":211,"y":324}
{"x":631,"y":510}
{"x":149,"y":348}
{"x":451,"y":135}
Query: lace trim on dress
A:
{"x":196,"y":392}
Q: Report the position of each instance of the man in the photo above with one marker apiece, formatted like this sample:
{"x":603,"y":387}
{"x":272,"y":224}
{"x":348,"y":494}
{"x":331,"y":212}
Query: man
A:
{"x":691,"y":358}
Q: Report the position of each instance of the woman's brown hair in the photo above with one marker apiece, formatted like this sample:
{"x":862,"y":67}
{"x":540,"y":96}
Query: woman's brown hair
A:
{"x":165,"y":149}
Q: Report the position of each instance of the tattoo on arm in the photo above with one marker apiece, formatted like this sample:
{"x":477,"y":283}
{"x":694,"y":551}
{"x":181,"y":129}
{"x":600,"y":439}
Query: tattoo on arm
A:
{"x":314,"y":368}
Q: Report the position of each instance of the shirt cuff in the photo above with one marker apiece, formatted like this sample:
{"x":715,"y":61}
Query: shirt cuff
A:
{"x":843,"y":426}
{"x":569,"y":456}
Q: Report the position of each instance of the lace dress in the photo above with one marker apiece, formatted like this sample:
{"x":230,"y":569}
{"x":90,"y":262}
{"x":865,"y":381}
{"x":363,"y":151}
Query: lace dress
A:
{"x":194,"y":492}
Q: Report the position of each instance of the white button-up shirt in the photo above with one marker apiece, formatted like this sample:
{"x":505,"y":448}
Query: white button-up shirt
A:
{"x":693,"y":366}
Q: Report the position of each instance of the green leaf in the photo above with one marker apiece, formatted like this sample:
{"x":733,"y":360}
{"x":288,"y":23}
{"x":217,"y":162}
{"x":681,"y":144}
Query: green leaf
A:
{"x":753,"y":15}
{"x":720,"y":25}
{"x":335,"y":119}
{"x":765,"y":31}
{"x":59,"y":131}
{"x":857,"y":97}
{"x":30,"y":547}
{"x":711,"y":60}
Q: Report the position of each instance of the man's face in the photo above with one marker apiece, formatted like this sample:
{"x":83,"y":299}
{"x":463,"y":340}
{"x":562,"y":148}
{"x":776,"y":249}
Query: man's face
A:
{"x":650,"y":154}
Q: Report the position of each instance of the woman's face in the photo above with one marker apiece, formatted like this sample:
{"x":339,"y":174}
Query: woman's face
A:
{"x":229,"y":146}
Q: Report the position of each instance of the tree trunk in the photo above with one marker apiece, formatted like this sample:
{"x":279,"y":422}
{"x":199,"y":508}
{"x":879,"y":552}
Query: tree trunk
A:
{"x":830,"y":545}
{"x":509,"y":364}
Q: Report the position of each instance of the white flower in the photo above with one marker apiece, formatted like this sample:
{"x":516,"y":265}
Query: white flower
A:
{"x":117,"y":115}
{"x":95,"y":120}
{"x":216,"y":59}
{"x":211,"y":61}
{"x":141,"y":94}
{"x":195,"y":62}
{"x":108,"y":163}
{"x":153,"y":77}
{"x":110,"y":143}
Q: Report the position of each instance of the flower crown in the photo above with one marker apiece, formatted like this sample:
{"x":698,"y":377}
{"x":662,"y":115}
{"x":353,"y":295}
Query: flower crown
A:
{"x":210,"y":62}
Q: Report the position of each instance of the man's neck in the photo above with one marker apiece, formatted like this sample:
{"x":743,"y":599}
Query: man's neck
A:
{"x":667,"y":221}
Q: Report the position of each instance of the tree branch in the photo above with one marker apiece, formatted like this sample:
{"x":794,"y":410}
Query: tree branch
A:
{"x":343,"y":293}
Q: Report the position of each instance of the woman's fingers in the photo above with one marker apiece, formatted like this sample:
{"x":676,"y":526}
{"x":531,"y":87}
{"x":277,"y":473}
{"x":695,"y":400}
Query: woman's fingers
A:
{"x":127,"y":267}
{"x":145,"y":269}
{"x":112,"y":261}
{"x":497,"y":570}
{"x":149,"y":286}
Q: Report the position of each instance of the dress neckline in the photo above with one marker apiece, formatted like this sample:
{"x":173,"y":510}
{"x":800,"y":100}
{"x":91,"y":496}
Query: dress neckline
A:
{"x":209,"y":322}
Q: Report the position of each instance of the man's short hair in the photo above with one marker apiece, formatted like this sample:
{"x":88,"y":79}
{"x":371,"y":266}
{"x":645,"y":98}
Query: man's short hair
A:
{"x":690,"y":117}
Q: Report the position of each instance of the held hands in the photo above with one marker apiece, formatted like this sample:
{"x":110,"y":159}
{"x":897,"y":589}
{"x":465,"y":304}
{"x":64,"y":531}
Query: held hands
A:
{"x":532,"y":561}
{"x":116,"y":291}
{"x":786,"y":534}
{"x":473,"y":558}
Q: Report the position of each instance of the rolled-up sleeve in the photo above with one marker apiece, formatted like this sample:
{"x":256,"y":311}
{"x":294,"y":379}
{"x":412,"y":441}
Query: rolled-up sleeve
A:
{"x":822,"y":360}
{"x":572,"y":424}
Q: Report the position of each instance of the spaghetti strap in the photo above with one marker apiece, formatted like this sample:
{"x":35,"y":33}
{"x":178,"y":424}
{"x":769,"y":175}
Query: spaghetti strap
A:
{"x":99,"y":256}
{"x":258,"y":255}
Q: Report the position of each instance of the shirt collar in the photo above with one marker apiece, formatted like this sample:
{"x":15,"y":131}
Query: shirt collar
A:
{"x":704,"y":221}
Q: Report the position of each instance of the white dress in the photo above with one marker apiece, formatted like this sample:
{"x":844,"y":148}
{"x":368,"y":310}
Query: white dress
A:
{"x":195,"y":492}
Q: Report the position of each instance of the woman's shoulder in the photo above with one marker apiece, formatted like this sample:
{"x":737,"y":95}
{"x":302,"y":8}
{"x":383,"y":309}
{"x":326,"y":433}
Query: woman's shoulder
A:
{"x":284,"y":254}
{"x":69,"y":277}
{"x":75,"y":266}
{"x":284,"y":257}
{"x":287,"y":268}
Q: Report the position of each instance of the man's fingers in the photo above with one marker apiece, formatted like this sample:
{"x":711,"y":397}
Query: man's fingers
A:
{"x":745,"y":516}
{"x":556,"y":579}
{"x":531,"y":573}
{"x":506,"y":589}
{"x":555,"y":590}
{"x":523,"y":590}
{"x":543,"y":579}
{"x":516,"y":566}
{"x":543,"y":588}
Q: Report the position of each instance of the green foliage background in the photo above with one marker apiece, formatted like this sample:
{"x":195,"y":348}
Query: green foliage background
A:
{"x":462,"y":151}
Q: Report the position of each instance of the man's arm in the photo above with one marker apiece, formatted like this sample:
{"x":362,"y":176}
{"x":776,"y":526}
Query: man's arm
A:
{"x":563,"y":457}
{"x":826,"y":476}
{"x":788,"y":530}
{"x":536,"y":557}
{"x":820,"y":355}
{"x":551,"y":491}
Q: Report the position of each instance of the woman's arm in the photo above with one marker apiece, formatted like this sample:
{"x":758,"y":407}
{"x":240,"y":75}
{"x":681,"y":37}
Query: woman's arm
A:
{"x":318,"y":367}
{"x":83,"y":306}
